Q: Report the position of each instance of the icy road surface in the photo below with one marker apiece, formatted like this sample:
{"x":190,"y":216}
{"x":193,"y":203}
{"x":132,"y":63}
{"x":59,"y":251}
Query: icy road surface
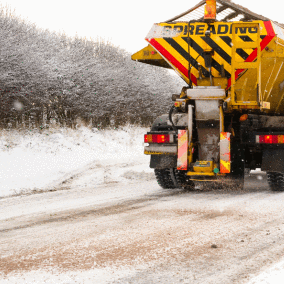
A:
{"x":135,"y":232}
{"x":82,"y":206}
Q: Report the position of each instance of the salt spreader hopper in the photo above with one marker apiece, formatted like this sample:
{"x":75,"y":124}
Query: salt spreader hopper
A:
{"x":230,"y":115}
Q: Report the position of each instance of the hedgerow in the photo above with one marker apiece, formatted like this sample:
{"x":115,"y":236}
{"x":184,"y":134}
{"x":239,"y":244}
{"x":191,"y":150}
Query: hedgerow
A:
{"x":48,"y":77}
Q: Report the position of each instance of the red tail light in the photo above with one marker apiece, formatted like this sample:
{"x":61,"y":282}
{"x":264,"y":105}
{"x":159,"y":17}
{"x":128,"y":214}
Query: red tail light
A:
{"x":157,"y":138}
{"x":269,"y":139}
{"x":163,"y":139}
{"x":275,"y":139}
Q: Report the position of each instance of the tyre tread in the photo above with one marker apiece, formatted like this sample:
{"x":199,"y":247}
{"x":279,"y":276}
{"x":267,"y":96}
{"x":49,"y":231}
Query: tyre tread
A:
{"x":276,"y":181}
{"x":164,"y":179}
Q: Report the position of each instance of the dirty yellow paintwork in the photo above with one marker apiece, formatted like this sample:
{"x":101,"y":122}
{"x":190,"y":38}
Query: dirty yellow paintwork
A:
{"x":201,"y":174}
{"x":204,"y":167}
{"x":272,"y":78}
{"x":182,"y":46}
{"x":150,"y":55}
{"x":156,"y":153}
{"x":217,"y":81}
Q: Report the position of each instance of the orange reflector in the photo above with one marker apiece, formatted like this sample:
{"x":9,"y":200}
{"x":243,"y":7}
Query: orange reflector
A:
{"x":244,"y":117}
{"x":210,"y":10}
{"x":147,"y":138}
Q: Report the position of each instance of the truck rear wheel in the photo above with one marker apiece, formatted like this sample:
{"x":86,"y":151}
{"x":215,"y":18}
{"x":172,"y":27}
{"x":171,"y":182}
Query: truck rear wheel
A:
{"x":164,"y":178}
{"x":275,"y":181}
{"x":172,"y":178}
{"x":183,"y":180}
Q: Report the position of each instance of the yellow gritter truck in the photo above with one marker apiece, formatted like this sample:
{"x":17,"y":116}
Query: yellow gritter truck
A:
{"x":229,"y":117}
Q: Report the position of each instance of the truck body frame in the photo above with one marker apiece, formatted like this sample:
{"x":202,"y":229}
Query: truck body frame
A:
{"x":230,"y":115}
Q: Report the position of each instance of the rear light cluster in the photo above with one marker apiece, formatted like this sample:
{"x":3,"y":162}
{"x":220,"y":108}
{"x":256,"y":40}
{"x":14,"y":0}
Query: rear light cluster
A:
{"x":269,"y":139}
{"x":158,"y":138}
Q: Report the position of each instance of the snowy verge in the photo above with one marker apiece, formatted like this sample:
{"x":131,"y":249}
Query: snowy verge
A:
{"x":273,"y":275}
{"x":35,"y":161}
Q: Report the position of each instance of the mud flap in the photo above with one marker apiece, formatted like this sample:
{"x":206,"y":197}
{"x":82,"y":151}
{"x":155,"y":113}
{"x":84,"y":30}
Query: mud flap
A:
{"x":273,"y":160}
{"x":163,"y":161}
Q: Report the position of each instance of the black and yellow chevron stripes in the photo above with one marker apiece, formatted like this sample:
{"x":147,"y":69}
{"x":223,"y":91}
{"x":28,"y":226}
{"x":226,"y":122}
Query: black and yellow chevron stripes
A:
{"x":189,"y":45}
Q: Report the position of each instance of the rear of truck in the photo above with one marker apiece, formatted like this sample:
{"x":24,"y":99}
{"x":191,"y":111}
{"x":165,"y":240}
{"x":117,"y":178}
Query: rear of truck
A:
{"x":229,"y":116}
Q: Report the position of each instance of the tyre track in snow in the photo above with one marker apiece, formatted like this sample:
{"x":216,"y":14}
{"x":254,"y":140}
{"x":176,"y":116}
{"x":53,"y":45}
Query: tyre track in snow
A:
{"x":104,"y":210}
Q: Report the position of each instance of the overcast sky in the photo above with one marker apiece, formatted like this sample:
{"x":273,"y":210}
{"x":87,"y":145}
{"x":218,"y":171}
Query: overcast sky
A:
{"x":124,"y":22}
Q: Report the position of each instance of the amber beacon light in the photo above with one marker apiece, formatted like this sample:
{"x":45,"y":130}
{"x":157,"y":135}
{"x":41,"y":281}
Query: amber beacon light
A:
{"x":210,"y":10}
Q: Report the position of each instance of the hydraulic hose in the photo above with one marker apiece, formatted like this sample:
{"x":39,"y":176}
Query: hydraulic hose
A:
{"x":171,"y":120}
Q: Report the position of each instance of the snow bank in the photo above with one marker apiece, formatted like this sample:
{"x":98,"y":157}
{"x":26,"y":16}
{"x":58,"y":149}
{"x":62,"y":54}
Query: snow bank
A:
{"x":273,"y":275}
{"x":41,"y":160}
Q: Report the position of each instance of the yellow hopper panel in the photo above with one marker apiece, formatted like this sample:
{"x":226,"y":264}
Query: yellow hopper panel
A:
{"x":245,"y":50}
{"x":183,"y":47}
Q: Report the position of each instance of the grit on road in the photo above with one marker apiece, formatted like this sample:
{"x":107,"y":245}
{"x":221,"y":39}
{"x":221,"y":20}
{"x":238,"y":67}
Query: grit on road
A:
{"x":139,"y":233}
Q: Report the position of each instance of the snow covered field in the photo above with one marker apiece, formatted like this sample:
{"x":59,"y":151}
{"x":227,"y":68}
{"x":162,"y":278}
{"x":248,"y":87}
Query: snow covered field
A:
{"x":82,"y":159}
{"x":41,"y":161}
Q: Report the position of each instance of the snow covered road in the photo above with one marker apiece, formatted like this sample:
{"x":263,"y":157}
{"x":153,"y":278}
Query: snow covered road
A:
{"x":135,"y":232}
{"x":95,"y":214}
